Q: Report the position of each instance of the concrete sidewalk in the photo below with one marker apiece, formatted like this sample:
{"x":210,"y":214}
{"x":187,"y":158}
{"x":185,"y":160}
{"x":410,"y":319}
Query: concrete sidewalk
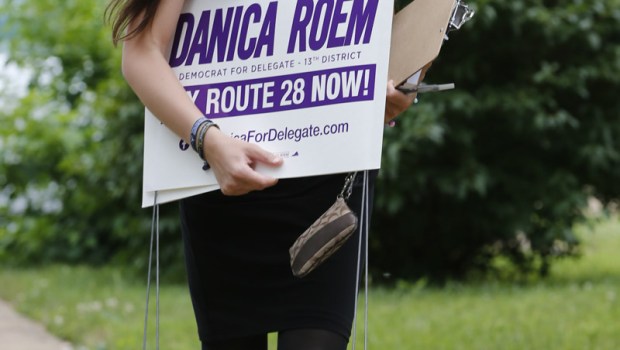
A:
{"x":19,"y":333}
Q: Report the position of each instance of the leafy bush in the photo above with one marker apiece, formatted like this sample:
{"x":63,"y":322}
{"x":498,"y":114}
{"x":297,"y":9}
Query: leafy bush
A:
{"x":502,"y":166}
{"x":72,"y":148}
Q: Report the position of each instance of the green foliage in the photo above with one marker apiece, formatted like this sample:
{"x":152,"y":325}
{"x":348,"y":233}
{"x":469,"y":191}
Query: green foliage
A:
{"x":71,"y":150}
{"x":502,"y":166}
{"x":505,"y":163}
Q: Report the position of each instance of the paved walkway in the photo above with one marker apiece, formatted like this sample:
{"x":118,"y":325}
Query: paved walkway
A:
{"x":19,"y":333}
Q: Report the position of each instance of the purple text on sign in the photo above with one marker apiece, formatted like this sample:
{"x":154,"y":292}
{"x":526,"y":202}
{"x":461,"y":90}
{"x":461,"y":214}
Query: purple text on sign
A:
{"x":285,"y":92}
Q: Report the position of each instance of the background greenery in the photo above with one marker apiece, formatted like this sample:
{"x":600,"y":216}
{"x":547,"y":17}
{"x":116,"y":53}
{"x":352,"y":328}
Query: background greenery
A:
{"x":576,"y":308}
{"x":503,"y":165}
{"x":500,"y":167}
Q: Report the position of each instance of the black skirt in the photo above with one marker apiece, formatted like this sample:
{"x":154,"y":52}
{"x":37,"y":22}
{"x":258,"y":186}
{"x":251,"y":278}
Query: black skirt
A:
{"x":236,"y":251}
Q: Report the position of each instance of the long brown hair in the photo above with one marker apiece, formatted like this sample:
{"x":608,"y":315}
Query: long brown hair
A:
{"x":120,"y":13}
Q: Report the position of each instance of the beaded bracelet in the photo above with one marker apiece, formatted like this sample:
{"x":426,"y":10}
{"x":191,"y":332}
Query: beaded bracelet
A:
{"x":194,"y":131}
{"x":202,"y":131}
{"x":197,"y":135}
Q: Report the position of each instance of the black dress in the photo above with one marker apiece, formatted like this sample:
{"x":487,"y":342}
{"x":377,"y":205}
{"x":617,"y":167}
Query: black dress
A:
{"x":236,"y":251}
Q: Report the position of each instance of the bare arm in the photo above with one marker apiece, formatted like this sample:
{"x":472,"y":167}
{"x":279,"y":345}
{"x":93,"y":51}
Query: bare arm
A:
{"x":146,"y":70}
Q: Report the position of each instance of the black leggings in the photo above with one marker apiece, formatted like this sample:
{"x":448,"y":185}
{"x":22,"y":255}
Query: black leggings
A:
{"x":295,"y":339}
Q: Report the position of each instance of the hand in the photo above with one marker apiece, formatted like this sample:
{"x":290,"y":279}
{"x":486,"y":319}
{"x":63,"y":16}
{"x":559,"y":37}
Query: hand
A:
{"x":233,"y":162}
{"x":396,"y":102}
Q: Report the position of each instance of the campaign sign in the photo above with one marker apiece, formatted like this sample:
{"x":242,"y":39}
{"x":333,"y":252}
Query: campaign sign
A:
{"x":303,"y":79}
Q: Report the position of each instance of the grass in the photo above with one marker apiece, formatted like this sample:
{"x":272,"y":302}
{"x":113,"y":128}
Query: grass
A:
{"x":578,"y":307}
{"x":99,"y":309}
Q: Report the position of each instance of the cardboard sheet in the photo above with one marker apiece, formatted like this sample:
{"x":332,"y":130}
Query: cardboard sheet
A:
{"x":418,"y":32}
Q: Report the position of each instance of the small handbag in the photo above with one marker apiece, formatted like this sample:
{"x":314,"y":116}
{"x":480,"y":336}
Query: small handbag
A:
{"x":328,"y":233}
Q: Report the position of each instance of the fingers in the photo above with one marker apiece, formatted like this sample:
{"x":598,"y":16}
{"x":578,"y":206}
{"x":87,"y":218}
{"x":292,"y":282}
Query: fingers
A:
{"x":396,"y":101}
{"x":233,"y":162}
{"x":244,"y":180}
{"x":260,"y":155}
{"x":390,"y":87}
{"x":398,"y":98}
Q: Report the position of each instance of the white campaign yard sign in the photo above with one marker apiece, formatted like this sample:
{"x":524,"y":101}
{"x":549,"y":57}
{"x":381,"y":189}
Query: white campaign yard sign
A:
{"x":304,"y":79}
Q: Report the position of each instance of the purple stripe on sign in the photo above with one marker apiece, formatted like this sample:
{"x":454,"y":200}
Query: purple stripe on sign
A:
{"x":285,"y":92}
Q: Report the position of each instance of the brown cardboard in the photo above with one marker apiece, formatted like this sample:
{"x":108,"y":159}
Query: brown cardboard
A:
{"x":418,"y":32}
